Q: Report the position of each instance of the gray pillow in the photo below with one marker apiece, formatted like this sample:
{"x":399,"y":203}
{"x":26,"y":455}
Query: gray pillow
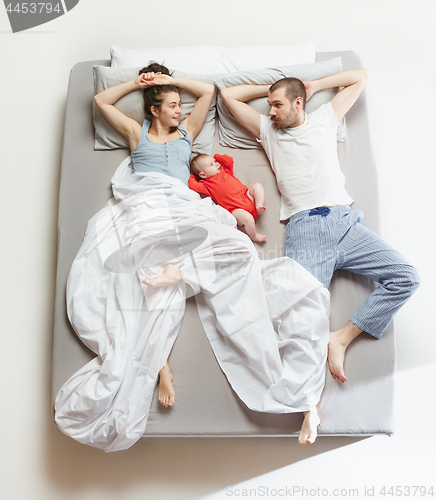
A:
{"x":106,"y":137}
{"x":234,"y":135}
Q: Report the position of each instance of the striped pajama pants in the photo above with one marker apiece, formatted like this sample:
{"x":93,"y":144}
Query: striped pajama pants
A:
{"x":323,"y":244}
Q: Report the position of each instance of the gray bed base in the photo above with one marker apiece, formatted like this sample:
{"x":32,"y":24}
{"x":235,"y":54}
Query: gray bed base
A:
{"x":205,"y":404}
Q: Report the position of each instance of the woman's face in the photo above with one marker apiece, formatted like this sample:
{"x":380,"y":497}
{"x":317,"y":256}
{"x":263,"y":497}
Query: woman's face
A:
{"x":170,"y":110}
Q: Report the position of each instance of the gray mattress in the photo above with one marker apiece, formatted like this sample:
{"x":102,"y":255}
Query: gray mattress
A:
{"x":205,"y":403}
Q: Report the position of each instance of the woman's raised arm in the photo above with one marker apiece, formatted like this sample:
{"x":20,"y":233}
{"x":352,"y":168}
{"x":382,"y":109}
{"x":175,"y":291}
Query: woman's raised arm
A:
{"x":127,"y":127}
{"x":204,"y":91}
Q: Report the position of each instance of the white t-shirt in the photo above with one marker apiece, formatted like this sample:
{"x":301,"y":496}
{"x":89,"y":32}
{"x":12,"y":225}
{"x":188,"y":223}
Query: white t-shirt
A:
{"x":305,"y":162}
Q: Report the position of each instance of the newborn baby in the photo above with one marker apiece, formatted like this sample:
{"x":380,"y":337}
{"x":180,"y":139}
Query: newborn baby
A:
{"x":213,"y":175}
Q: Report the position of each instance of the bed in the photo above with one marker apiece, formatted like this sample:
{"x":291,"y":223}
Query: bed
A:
{"x":205,"y":403}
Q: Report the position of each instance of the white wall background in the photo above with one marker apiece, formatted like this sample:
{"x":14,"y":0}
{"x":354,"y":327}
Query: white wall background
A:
{"x":396,"y":41}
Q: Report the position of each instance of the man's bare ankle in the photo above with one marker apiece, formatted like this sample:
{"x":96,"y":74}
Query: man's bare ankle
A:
{"x":347,"y":333}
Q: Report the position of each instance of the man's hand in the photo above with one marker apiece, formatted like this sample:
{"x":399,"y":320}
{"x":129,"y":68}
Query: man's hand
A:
{"x":235,"y":98}
{"x":352,"y":81}
{"x":309,"y":90}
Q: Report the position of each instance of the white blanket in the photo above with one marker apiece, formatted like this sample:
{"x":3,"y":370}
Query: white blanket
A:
{"x":267,"y":321}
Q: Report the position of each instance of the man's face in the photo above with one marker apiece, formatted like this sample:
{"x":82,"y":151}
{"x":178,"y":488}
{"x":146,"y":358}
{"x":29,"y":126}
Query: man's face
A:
{"x":283,"y":113}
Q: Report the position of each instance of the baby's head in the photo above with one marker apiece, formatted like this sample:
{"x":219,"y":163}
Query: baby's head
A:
{"x":204,"y":166}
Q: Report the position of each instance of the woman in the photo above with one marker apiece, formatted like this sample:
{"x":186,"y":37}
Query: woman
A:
{"x":162,"y":108}
{"x":152,"y":245}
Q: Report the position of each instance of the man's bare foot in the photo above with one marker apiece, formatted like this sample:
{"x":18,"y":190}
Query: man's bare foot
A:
{"x":258,"y":237}
{"x":308,"y":431}
{"x":166,"y":394}
{"x":339,"y":341}
{"x":170,"y":276}
{"x":260,"y":209}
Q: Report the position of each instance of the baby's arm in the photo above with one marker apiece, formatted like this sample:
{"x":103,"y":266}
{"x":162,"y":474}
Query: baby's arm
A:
{"x":197,"y":186}
{"x":226,"y":161}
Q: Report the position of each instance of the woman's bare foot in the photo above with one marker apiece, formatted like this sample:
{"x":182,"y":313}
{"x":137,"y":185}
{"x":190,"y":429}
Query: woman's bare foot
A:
{"x":170,"y":276}
{"x":339,"y":341}
{"x":308,"y":431}
{"x":166,"y":394}
{"x":260,"y":209}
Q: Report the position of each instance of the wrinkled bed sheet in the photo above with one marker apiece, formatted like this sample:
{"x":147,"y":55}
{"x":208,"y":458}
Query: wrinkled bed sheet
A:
{"x":266,"y":320}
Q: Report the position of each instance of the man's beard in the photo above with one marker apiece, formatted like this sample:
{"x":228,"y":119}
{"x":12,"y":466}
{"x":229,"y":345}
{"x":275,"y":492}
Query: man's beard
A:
{"x":291,"y":121}
{"x":279,"y":125}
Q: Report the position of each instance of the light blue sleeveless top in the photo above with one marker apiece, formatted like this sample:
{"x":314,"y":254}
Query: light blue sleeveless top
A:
{"x":170,"y":158}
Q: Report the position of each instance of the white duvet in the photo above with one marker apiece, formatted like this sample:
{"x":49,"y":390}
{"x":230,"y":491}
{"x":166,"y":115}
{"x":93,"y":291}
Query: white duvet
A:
{"x":267,"y":321}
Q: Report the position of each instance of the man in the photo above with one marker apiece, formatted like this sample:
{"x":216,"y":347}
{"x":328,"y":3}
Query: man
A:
{"x":323,"y":233}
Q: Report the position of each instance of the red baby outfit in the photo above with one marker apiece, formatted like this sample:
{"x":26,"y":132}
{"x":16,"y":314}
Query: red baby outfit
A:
{"x":224,"y":187}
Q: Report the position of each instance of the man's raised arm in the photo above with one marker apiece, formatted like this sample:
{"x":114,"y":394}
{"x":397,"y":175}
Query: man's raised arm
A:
{"x":353,"y":82}
{"x":235,"y":99}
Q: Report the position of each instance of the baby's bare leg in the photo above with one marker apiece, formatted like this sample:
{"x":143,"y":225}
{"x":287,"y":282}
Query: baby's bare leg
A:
{"x":243,"y":218}
{"x":257,"y":195}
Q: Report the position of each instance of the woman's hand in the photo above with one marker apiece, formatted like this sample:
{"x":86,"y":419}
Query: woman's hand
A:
{"x":145,"y":80}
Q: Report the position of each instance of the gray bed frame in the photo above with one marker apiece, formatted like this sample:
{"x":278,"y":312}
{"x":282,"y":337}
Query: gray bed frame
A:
{"x":205,"y":403}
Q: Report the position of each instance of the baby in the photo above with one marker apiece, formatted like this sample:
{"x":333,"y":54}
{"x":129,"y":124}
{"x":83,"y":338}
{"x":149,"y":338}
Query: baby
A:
{"x":213,"y":175}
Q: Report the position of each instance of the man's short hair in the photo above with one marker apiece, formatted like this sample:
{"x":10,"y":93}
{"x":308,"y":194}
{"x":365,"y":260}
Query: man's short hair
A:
{"x":293,"y":88}
{"x":195,"y":167}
